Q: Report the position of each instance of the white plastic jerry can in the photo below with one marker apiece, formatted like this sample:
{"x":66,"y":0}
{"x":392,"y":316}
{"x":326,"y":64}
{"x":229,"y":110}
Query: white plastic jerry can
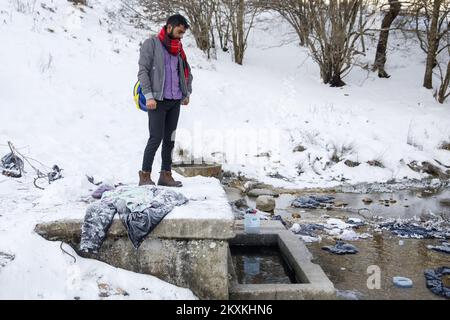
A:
{"x":251,"y":221}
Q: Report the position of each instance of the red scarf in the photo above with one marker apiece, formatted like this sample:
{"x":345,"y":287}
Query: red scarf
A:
{"x":174,"y":47}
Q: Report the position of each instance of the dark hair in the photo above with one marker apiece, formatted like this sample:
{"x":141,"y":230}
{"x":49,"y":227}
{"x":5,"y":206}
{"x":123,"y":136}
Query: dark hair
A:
{"x":177,"y":20}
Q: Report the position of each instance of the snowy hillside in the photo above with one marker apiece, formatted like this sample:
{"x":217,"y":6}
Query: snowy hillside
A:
{"x":66,"y":82}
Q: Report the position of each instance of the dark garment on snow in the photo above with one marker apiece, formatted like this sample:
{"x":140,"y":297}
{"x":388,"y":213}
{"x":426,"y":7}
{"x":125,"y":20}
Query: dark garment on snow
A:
{"x":311,"y":202}
{"x":341,"y":248}
{"x":162,"y":124}
{"x":99,"y":217}
{"x":140,"y":210}
{"x":434,"y":281}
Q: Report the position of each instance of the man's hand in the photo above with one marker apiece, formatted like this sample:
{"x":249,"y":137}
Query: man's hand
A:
{"x":151,"y":104}
{"x":185,"y":102}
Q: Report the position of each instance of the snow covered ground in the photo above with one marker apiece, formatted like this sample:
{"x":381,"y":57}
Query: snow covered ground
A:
{"x":66,"y":78}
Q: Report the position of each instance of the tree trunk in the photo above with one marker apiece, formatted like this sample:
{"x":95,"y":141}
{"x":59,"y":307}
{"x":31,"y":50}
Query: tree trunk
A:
{"x":432,"y":45}
{"x":442,"y":94}
{"x":239,"y":45}
{"x":380,"y":57}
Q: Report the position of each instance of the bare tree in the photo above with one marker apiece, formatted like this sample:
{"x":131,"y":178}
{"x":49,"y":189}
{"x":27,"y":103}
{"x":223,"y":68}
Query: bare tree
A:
{"x":222,"y":25}
{"x":241,"y":16}
{"x":293,"y":11}
{"x":442,"y":94}
{"x":332,"y":32}
{"x":199,"y":13}
{"x":380,"y":57}
{"x":432,"y":26}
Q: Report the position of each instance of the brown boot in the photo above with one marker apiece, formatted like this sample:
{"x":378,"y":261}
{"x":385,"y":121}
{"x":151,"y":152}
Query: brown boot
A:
{"x":165,"y":179}
{"x":145,"y":178}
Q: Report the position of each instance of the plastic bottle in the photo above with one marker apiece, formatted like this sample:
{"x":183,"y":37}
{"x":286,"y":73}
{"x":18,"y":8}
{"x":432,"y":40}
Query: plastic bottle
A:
{"x":251,"y":221}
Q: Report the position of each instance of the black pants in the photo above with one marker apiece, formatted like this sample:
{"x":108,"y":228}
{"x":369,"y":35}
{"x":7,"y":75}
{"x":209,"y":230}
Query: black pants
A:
{"x":162,"y":124}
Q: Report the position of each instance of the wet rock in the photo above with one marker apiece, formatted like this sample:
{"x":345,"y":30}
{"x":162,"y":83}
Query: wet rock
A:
{"x":350,"y":163}
{"x":341,"y":248}
{"x":249,"y":185}
{"x":375,"y":163}
{"x":445,"y":202}
{"x":437,"y":281}
{"x":367,"y":200}
{"x":6,"y":258}
{"x":228,"y":174}
{"x":265,"y":203}
{"x":263,"y":154}
{"x":296,"y":215}
{"x":429,"y":168}
{"x":445,"y":145}
{"x":261,"y":192}
{"x":299,"y":148}
{"x":340,"y":204}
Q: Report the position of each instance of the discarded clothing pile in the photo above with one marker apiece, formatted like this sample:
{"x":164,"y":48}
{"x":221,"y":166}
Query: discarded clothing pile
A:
{"x":239,"y":207}
{"x":341,"y":248}
{"x":412,"y":230}
{"x":140,"y":210}
{"x":278,"y":218}
{"x":443,"y":247}
{"x":438,"y":281}
{"x":355,"y":222}
{"x":312,"y":202}
{"x":12,"y":165}
{"x":307,"y":229}
{"x":98,"y":193}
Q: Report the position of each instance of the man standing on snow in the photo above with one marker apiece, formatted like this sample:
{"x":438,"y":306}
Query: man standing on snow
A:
{"x":166,"y":82}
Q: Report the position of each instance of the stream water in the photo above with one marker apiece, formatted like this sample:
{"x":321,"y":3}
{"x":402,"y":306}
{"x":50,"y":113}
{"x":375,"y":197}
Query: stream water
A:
{"x":386,"y":252}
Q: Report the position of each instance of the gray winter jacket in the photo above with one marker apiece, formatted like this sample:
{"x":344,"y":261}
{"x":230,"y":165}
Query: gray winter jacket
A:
{"x":152,"y":71}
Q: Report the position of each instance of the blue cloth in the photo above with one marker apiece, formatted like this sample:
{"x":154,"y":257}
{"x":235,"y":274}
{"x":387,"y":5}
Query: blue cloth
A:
{"x":311,"y":202}
{"x":309,"y":229}
{"x":434,"y":281}
{"x":444,"y":247}
{"x":411,"y":230}
{"x":341,"y":248}
{"x":140,"y":210}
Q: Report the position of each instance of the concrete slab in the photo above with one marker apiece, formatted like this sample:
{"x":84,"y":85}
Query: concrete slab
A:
{"x":188,"y":248}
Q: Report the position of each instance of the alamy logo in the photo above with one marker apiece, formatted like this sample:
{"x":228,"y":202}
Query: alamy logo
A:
{"x":374,"y":279}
